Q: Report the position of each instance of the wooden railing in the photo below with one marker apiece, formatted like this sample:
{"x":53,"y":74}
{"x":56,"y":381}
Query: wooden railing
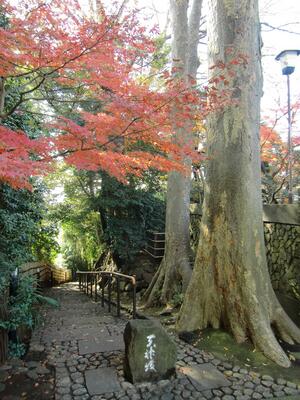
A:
{"x":41,"y":272}
{"x":93,"y":282}
{"x":155,"y":246}
{"x":45,"y":274}
{"x":60,"y":275}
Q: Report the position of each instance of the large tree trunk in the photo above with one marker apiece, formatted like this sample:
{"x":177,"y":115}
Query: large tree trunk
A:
{"x":230,"y":285}
{"x":175,"y":271}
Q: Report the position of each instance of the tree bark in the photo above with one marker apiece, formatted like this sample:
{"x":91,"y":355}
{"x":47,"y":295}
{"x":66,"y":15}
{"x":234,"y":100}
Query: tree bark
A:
{"x":175,"y":271}
{"x":230,"y":285}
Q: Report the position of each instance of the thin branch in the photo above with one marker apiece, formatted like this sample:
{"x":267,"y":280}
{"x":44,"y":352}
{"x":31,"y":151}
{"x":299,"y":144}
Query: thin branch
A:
{"x":279,"y":28}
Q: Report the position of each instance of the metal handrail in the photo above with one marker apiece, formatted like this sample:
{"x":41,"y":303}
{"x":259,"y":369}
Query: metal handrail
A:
{"x":88,"y":279}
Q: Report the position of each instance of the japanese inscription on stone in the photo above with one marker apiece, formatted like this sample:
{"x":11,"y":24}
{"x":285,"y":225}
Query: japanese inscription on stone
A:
{"x":150,"y":354}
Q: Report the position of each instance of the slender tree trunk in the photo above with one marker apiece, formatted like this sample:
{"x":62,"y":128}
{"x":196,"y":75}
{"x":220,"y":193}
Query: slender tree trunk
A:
{"x":230,"y":286}
{"x":175,"y":271}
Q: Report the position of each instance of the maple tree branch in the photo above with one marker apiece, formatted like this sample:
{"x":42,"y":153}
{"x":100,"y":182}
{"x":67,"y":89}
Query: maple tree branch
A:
{"x":44,"y":75}
{"x":74,"y":58}
{"x":278,"y":190}
{"x":82,"y":187}
{"x":101,"y":146}
{"x":21,"y":99}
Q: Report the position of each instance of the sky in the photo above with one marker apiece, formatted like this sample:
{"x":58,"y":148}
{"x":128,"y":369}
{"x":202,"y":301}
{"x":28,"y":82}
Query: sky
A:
{"x":277,"y":13}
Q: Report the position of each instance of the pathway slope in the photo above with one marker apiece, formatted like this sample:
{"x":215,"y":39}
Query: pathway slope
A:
{"x":84,"y":343}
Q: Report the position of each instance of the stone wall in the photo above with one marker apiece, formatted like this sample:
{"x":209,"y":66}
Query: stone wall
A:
{"x":283,"y":254}
{"x":282,"y":246}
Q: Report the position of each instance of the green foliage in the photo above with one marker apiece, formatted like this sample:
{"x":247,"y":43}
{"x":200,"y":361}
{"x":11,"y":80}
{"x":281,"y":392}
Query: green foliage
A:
{"x":129,"y":211}
{"x":79,"y":221}
{"x":24,"y":235}
{"x":21,"y":310}
{"x":98,"y":212}
{"x":177,"y":299}
{"x":162,"y":54}
{"x":16,"y":350}
{"x":19,"y":214}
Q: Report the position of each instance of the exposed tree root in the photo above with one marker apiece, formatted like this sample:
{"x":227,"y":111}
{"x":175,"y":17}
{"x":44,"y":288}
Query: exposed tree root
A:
{"x":255,"y":322}
{"x":170,"y":279}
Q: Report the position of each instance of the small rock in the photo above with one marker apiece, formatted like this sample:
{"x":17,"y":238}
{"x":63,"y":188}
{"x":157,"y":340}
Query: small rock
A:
{"x":67,"y":397}
{"x":63,"y":390}
{"x":22,"y":369}
{"x":168,"y":396}
{"x":237,"y":375}
{"x":32,"y":374}
{"x":243,"y":371}
{"x":32,"y":364}
{"x":76,"y":386}
{"x":16,"y":362}
{"x":267,"y":378}
{"x":79,"y":392}
{"x":217,"y":393}
{"x":256,"y":396}
{"x":289,"y":390}
{"x":38,"y":348}
{"x":3,"y":376}
{"x":267,"y":383}
{"x":84,"y":397}
{"x":65,"y":381}
{"x":208,"y":394}
{"x":267,"y":395}
{"x":42,"y":370}
{"x":279,"y":394}
{"x":227,"y":390}
{"x":281,"y":381}
{"x":5,"y":367}
{"x":127,"y":385}
{"x":291,"y":385}
{"x":163,"y":383}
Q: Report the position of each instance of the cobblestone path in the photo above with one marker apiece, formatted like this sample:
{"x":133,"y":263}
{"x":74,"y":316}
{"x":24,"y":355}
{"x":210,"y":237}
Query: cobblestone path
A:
{"x":84,"y":344}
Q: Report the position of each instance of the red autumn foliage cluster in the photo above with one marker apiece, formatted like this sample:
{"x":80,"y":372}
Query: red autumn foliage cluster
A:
{"x":274,"y":152}
{"x":55,"y":43}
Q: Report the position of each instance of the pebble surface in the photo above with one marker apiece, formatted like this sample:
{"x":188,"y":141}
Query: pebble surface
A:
{"x":63,"y":356}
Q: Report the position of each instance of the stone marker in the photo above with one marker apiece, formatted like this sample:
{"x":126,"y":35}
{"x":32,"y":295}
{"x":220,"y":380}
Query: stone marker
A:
{"x":150,"y":355}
